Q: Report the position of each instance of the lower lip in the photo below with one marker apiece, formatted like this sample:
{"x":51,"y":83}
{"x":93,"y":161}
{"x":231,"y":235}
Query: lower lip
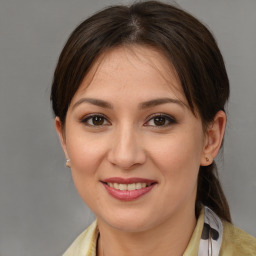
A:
{"x":128,"y":195}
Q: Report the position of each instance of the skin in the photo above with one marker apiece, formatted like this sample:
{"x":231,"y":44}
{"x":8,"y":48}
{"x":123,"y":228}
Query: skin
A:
{"x":129,"y":142}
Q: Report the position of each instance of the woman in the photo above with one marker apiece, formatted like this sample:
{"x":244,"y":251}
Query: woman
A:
{"x":139,"y":94}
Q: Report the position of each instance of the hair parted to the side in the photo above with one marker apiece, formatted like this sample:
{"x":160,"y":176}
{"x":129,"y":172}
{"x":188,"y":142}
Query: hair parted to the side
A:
{"x":185,"y":41}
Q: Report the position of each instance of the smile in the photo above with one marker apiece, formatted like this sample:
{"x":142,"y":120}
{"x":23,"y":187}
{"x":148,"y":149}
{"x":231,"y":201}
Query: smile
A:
{"x":128,"y":189}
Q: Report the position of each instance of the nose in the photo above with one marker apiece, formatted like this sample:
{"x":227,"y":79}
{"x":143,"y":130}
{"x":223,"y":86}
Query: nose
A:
{"x":126,"y":150}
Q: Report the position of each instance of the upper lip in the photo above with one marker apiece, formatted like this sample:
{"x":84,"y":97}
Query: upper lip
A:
{"x":128,"y":180}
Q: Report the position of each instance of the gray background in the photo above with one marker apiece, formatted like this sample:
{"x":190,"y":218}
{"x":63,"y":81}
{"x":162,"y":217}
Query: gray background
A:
{"x":40,"y":211}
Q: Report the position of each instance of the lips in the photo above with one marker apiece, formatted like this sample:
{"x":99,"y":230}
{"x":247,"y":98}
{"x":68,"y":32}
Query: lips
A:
{"x":128,"y":189}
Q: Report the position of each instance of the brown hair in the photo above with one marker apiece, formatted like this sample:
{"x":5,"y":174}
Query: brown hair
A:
{"x":186,"y":42}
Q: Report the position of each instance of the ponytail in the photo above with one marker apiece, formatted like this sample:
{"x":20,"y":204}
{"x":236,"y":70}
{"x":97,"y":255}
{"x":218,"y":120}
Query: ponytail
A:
{"x":210,"y":192}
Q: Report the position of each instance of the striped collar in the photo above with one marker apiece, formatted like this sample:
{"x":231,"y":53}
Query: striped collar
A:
{"x":205,"y":241}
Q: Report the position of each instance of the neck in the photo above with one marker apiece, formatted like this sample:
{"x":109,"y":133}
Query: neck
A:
{"x":168,"y":238}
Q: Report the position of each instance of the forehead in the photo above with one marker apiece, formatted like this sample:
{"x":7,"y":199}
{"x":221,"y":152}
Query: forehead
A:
{"x":136,"y":68}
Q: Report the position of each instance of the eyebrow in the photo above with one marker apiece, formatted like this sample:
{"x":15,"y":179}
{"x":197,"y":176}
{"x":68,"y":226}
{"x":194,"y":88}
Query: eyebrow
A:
{"x":96,"y":102}
{"x":143,"y":105}
{"x":160,"y":101}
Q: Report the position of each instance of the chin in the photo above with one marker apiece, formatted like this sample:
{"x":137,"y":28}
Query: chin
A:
{"x":132,"y":222}
{"x":131,"y":226}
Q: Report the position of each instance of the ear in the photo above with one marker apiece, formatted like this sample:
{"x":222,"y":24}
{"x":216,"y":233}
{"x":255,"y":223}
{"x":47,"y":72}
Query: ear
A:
{"x":61,"y":133}
{"x":213,"y":138}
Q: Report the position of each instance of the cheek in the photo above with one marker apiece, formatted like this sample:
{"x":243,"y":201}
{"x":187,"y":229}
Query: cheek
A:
{"x":85,"y":152}
{"x":178,"y":150}
{"x":178,"y":159}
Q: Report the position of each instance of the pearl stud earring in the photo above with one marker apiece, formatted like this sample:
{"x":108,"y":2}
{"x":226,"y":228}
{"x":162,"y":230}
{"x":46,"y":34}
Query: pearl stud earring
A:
{"x":68,"y":163}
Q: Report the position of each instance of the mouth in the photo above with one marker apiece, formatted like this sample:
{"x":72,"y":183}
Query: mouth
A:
{"x":128,"y":189}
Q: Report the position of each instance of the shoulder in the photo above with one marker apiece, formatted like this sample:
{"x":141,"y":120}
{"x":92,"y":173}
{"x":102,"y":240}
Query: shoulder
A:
{"x":85,"y":243}
{"x":236,"y":242}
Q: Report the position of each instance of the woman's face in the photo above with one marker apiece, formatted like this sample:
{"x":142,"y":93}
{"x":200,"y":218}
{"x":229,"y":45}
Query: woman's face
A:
{"x":129,"y":126}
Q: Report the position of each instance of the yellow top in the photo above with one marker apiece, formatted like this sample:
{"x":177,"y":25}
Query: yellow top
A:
{"x":235,"y":242}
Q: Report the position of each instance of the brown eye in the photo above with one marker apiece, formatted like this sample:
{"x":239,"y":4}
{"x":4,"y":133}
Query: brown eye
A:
{"x":160,"y":120}
{"x":95,"y":120}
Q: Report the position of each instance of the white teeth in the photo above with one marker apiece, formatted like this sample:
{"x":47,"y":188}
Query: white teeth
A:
{"x":129,"y":187}
{"x":122,"y":186}
{"x":138,"y":186}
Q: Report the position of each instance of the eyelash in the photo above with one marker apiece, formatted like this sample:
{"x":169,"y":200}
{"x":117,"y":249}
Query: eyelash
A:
{"x":86,"y":119}
{"x":171,"y":120}
{"x":166,"y":118}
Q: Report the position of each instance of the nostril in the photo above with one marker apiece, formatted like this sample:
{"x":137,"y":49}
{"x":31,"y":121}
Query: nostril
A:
{"x":126,"y":158}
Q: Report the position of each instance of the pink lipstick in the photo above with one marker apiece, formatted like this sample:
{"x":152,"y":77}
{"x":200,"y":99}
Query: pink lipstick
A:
{"x":128,"y":189}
